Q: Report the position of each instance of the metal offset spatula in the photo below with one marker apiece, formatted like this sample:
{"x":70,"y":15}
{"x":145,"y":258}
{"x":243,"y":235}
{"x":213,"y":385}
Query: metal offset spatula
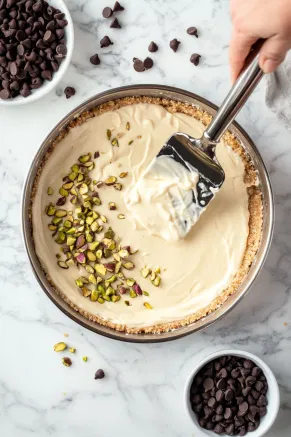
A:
{"x":184,"y":157}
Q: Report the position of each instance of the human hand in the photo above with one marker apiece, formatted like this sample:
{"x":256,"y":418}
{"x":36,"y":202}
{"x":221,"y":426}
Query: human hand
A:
{"x":255,"y":19}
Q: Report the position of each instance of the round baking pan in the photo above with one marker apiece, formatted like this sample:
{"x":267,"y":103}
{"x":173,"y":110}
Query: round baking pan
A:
{"x":264,"y":185}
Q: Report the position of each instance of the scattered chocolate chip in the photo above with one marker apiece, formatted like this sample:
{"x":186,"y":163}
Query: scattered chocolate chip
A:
{"x":105,"y":42}
{"x":117,"y":7}
{"x":148,"y":63}
{"x":115,"y":24}
{"x":195,"y":58}
{"x":107,"y":12}
{"x":192,"y":31}
{"x":174,"y":44}
{"x":95,"y":59}
{"x":153,"y":47}
{"x":138,"y":65}
{"x":99,"y":374}
{"x":69,"y":91}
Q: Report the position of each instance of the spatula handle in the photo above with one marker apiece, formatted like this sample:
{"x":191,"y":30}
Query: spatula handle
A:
{"x":236,"y":98}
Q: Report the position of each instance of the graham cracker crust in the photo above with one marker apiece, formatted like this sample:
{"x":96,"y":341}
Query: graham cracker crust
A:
{"x":255,"y":210}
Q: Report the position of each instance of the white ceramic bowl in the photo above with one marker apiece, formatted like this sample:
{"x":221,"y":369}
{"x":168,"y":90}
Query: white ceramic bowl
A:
{"x":272,"y":395}
{"x":49,"y":86}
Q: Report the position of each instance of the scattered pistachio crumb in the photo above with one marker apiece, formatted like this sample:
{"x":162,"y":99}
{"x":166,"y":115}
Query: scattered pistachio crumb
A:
{"x":130,"y":142}
{"x":72,"y":350}
{"x":127,"y":125}
{"x":148,"y":306}
{"x":85,"y":358}
{"x":67,"y":361}
{"x":66,"y":335}
{"x":121,"y":216}
{"x":123,"y":174}
{"x":59,"y":347}
{"x":50,"y":191}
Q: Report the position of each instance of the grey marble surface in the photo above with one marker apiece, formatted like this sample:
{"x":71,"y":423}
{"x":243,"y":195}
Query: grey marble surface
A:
{"x":142,"y":394}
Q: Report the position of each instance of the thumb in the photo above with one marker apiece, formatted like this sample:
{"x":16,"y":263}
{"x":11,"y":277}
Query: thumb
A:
{"x":273,"y":53}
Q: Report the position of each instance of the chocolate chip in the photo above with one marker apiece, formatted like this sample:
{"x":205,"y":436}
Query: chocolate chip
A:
{"x":221,"y":384}
{"x":195,"y":58}
{"x":202,"y":422}
{"x":228,"y":395}
{"x":138,"y":65}
{"x":153,"y":47}
{"x":259,"y":386}
{"x":36,"y":83}
{"x":95,"y":59}
{"x":5,"y":94}
{"x":105,"y":42}
{"x":251,"y":400}
{"x":13,"y":68}
{"x":206,"y":396}
{"x":174,"y":44}
{"x":209,"y":425}
{"x":107,"y":12}
{"x":219,"y":395}
{"x":255,"y":394}
{"x":256,"y":371}
{"x":219,"y":409}
{"x":99,"y":374}
{"x":248,"y":364}
{"x":197,"y":408}
{"x":263,"y":411}
{"x":242,"y":431}
{"x":196,"y":399}
{"x":117,"y":7}
{"x":14,"y":85}
{"x":47,"y":75}
{"x":250,"y":380}
{"x":228,"y":413}
{"x":192,"y":31}
{"x":212,"y":402}
{"x":69,"y":91}
{"x":208,"y":412}
{"x":235,"y":373}
{"x":230,"y":429}
{"x":246,"y":390}
{"x":218,"y":429}
{"x":148,"y":63}
{"x":115,"y":24}
{"x":208,"y":384}
{"x":222,"y":373}
{"x":262,"y":401}
{"x":243,"y":409}
{"x":61,"y":50}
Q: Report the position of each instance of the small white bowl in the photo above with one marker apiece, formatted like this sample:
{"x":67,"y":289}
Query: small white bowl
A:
{"x":57,"y":76}
{"x":272,"y":395}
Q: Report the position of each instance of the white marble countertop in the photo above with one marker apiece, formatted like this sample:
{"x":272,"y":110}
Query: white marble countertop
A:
{"x":142,"y":394}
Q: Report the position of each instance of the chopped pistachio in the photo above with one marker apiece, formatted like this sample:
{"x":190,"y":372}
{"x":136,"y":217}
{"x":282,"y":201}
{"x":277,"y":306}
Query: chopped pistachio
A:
{"x":85,"y":158}
{"x":60,"y":238}
{"x":101,"y":269}
{"x":94,"y":226}
{"x":107,"y":253}
{"x":116,"y":257}
{"x":57,"y":221}
{"x":84,"y":189}
{"x":75,"y":168}
{"x":72,"y":176}
{"x":101,"y":289}
{"x":86,"y":292}
{"x":127,"y":303}
{"x":153,"y":276}
{"x":145,"y":293}
{"x":110,"y":291}
{"x":93,"y":246}
{"x":139,"y":137}
{"x":91,"y":256}
{"x":128,"y":265}
{"x":67,"y":224}
{"x":112,"y":206}
{"x":67,"y":361}
{"x":108,"y":134}
{"x":50,"y":191}
{"x":89,"y":220}
{"x":72,"y":350}
{"x":50,"y":210}
{"x":61,"y":213}
{"x":123,"y":174}
{"x":110,"y":280}
{"x":123,"y":253}
{"x":148,"y":306}
{"x":115,"y":298}
{"x":94,"y":295}
{"x":99,"y":253}
{"x":100,"y":300}
{"x":132,"y":293}
{"x":145,"y":272}
{"x":130,"y":142}
{"x":79,"y":282}
{"x":59,"y":347}
{"x":109,"y":233}
{"x":118,"y":186}
{"x":130,"y":282}
{"x":52,"y":227}
{"x":92,"y":279}
{"x":80,"y":177}
{"x":89,"y":269}
{"x":121,"y":216}
{"x":118,"y":267}
{"x":85,"y":359}
{"x":156,"y":282}
{"x":115,"y":142}
{"x":107,"y":298}
{"x":63,"y":192}
{"x":127,"y":126}
{"x":100,"y":229}
{"x":157,"y":270}
{"x":103,"y":218}
{"x":111,"y":180}
{"x":68,"y":185}
{"x":63,"y":265}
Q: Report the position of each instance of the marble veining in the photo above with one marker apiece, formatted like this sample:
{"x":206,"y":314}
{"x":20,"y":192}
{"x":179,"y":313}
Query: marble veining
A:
{"x":142,"y":394}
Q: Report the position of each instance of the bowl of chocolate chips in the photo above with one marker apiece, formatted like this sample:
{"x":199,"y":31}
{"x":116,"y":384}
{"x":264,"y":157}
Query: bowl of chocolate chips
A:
{"x":232,"y":393}
{"x":36,"y":45}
